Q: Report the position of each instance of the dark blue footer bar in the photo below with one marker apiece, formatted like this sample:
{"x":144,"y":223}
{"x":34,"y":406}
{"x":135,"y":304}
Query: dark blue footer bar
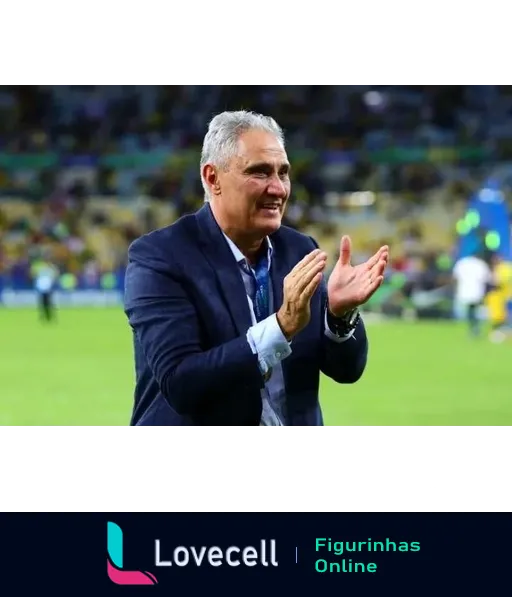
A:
{"x":256,"y":554}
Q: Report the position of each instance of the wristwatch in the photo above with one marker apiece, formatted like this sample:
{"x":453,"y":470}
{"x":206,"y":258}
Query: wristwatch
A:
{"x":342,"y":326}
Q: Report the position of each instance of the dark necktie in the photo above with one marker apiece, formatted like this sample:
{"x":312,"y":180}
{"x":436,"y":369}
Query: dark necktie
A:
{"x":262,"y":299}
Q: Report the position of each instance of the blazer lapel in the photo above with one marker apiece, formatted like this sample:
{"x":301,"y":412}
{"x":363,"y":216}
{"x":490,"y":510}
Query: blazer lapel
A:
{"x":219,"y":255}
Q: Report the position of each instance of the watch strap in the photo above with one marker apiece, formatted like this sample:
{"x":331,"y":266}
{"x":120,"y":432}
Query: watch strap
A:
{"x":342,"y":326}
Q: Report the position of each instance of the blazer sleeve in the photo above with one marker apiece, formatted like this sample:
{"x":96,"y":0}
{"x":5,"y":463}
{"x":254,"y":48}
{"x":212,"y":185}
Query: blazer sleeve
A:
{"x":166,"y":325}
{"x":343,"y":362}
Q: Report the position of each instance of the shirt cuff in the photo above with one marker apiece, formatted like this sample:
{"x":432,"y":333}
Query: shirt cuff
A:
{"x":267,"y":340}
{"x":332,"y":336}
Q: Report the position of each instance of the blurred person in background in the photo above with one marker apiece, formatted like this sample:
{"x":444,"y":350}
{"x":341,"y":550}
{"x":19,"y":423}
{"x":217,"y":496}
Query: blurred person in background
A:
{"x":45,"y":274}
{"x":498,"y":297}
{"x":503,"y":273}
{"x":232,"y":319}
{"x":472,"y":276}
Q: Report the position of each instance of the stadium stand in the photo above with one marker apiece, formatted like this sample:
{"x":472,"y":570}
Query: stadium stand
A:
{"x":86,"y":169}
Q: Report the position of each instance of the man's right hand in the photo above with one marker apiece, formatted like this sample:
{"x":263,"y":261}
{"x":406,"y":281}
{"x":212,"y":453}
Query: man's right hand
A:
{"x":299,"y":286}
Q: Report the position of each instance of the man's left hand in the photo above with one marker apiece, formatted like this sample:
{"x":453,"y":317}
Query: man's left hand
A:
{"x":351,"y":286}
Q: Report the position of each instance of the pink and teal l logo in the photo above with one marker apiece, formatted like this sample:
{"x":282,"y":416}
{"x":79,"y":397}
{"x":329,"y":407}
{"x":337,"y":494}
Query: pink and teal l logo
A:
{"x":115,"y":561}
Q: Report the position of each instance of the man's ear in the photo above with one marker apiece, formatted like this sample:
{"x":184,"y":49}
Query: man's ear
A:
{"x":211,"y":177}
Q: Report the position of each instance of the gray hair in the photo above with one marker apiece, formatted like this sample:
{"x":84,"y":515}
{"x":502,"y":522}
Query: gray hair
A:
{"x":221,"y":141}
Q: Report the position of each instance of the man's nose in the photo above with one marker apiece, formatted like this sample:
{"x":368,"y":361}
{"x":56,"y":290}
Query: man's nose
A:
{"x":277,"y":188}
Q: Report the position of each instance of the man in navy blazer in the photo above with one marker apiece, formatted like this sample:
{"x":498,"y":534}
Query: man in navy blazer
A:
{"x":233,"y":321}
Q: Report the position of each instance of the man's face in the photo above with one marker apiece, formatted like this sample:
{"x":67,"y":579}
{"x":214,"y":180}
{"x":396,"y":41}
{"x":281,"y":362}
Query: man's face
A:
{"x":252,"y":192}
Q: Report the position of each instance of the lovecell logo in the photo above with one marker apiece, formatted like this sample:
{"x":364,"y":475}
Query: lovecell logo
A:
{"x":116,"y":573}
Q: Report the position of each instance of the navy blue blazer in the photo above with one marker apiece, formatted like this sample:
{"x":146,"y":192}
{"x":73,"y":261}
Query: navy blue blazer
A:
{"x":186,"y":304}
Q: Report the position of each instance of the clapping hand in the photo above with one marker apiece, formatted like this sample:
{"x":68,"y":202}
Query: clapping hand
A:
{"x":350,"y":286}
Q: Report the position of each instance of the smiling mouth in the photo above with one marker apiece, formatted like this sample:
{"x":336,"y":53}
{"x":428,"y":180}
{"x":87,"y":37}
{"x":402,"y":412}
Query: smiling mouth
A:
{"x":270,"y":207}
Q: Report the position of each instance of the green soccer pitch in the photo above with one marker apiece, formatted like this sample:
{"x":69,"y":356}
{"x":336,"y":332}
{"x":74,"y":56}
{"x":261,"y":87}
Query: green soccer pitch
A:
{"x":79,"y":371}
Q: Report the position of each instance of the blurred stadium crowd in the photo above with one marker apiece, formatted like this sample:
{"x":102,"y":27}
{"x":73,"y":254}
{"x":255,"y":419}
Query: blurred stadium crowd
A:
{"x":86,"y":169}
